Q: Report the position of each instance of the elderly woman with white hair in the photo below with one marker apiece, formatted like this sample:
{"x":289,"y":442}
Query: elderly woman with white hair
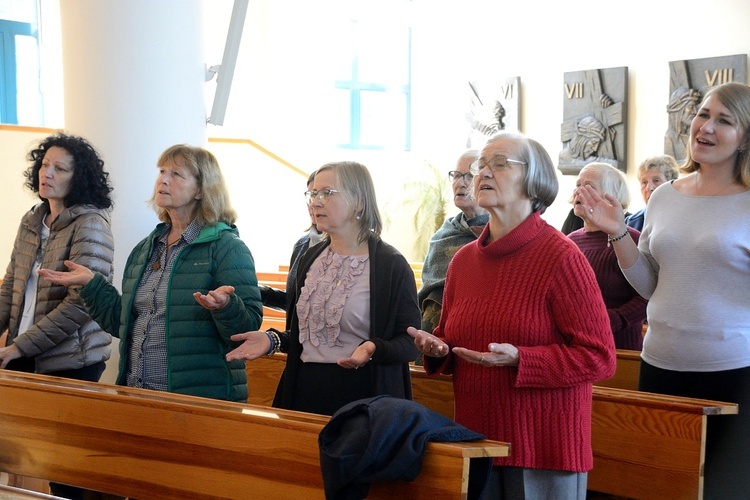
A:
{"x":523,"y":330}
{"x":626,"y":309}
{"x":652,"y":173}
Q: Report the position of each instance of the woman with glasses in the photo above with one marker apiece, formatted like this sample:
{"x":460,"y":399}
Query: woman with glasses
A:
{"x":355,"y":297}
{"x":172,"y":337}
{"x":280,"y":299}
{"x":455,"y":232}
{"x":523,"y":330}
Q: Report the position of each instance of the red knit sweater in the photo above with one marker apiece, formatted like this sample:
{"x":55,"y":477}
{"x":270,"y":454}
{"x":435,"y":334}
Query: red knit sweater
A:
{"x":533,"y":289}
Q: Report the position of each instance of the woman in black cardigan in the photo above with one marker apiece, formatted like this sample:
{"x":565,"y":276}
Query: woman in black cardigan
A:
{"x":355,"y":297}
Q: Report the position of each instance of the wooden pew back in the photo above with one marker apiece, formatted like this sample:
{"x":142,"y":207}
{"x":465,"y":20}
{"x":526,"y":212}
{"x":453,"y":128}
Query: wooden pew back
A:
{"x":146,"y":444}
{"x":626,"y":374}
{"x":645,"y":445}
{"x":277,"y":279}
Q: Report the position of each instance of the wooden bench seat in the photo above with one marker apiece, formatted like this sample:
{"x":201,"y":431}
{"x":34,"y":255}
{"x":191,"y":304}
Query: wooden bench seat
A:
{"x":645,"y":445}
{"x":148,"y":444}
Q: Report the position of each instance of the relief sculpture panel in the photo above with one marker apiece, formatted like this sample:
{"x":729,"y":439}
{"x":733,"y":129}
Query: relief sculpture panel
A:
{"x":594,"y":124}
{"x":493,"y":106}
{"x":689,"y":80}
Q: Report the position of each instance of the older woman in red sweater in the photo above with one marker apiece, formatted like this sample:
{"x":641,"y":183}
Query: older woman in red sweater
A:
{"x":523,"y":330}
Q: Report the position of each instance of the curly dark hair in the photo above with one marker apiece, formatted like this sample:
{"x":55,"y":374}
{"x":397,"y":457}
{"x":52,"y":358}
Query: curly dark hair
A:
{"x":90,"y":183}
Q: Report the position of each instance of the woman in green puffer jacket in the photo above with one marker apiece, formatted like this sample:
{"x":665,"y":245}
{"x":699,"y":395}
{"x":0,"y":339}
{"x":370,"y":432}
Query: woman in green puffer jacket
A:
{"x":187,"y":288}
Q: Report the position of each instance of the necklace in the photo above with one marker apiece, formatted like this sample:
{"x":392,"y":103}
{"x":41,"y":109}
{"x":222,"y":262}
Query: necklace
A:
{"x":157,"y":263}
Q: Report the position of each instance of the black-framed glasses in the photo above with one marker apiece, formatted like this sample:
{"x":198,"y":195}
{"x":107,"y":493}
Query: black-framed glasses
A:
{"x":455,"y":175}
{"x":323,"y":195}
{"x":496,"y":164}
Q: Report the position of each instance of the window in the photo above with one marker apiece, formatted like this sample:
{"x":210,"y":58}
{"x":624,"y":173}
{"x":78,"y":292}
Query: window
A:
{"x":373,"y":85}
{"x":20,"y":96}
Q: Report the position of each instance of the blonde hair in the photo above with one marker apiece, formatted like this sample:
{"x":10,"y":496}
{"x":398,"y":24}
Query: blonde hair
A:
{"x":736,"y":98}
{"x":356,"y":184}
{"x":214,"y":205}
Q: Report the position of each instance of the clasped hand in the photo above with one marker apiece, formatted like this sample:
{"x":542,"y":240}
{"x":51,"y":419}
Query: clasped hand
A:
{"x":432,"y":346}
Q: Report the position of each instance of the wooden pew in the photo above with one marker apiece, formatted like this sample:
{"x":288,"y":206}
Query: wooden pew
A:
{"x":263,"y":376}
{"x":626,"y":373}
{"x":273,"y":318}
{"x":277,"y":279}
{"x":272,"y":279}
{"x":13,"y":493}
{"x":645,"y":445}
{"x":147,"y":444}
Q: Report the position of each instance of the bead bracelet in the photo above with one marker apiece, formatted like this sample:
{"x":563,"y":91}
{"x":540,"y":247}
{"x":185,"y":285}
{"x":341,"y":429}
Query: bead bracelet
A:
{"x":616,"y":238}
{"x":275,"y":339}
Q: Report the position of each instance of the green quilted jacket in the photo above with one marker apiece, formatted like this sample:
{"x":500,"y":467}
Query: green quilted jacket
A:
{"x":197,"y":339}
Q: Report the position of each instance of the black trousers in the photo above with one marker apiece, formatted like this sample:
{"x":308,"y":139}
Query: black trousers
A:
{"x":727,"y":436}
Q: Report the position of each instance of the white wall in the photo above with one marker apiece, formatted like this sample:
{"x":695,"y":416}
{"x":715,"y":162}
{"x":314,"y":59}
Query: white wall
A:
{"x":15,"y":199}
{"x":280,"y":96}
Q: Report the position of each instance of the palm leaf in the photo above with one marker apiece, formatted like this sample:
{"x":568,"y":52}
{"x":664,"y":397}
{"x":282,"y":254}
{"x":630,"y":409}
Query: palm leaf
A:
{"x":428,"y":199}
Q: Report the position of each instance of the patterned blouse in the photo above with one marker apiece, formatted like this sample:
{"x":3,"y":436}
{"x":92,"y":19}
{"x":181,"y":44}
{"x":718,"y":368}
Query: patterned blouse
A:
{"x":334,"y":307}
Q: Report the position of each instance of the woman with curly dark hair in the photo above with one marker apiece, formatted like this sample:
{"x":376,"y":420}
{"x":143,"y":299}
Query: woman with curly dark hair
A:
{"x":48,"y":328}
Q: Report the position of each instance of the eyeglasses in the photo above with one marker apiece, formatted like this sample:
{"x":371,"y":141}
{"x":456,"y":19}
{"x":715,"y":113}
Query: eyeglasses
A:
{"x":323,"y":195}
{"x":455,"y":175}
{"x":496,"y":164}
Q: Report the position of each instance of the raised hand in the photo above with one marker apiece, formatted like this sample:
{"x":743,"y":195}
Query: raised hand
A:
{"x":605,"y":213}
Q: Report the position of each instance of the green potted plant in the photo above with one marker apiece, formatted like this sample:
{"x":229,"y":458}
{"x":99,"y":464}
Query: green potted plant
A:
{"x":428,"y":198}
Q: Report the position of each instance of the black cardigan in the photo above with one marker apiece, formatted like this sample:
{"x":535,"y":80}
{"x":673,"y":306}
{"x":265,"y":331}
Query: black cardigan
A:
{"x":393,"y":308}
